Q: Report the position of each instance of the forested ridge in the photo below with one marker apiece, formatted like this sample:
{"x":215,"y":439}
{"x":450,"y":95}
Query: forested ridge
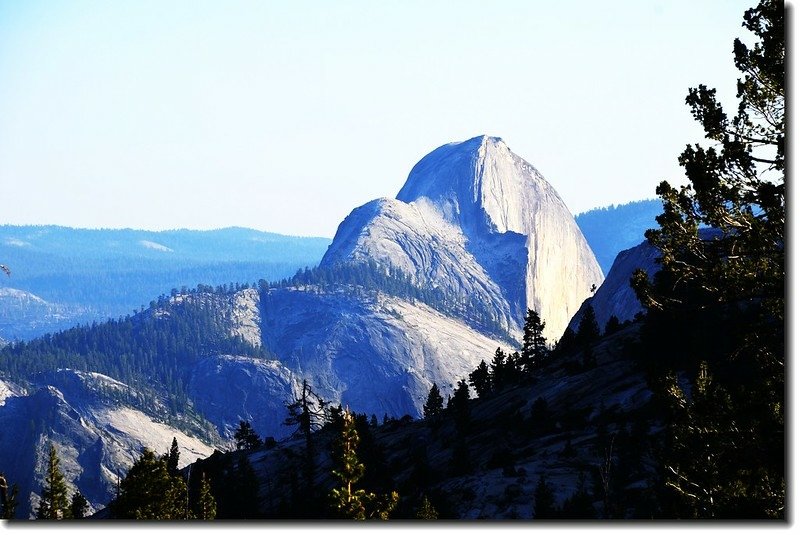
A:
{"x":152,"y":350}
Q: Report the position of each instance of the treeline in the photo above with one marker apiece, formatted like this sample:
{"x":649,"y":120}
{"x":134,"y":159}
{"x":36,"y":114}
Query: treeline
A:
{"x":402,"y":481}
{"x":115,"y":287}
{"x":365,"y":278}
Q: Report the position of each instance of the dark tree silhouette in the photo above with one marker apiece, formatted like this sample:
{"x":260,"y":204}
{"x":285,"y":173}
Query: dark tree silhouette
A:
{"x":245,"y":436}
{"x":434,"y":404}
{"x":481,"y":380}
{"x":723,"y":290}
{"x":534,"y":344}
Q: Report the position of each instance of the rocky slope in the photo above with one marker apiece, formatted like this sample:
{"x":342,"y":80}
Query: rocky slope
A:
{"x":595,"y":423}
{"x":377,"y":353}
{"x":96,"y":436}
{"x":615,"y":296}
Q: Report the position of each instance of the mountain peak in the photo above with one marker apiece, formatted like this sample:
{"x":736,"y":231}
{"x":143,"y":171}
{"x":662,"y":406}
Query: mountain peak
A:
{"x":481,"y":141}
{"x":480,"y":185}
{"x":479,"y":221}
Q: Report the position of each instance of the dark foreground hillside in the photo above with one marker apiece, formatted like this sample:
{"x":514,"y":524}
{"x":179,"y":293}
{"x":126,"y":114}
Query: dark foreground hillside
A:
{"x":578,"y":441}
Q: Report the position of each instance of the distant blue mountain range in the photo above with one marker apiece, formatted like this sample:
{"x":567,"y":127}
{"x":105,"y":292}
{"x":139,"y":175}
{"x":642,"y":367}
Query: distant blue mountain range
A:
{"x":617,"y":227}
{"x":85,"y":275}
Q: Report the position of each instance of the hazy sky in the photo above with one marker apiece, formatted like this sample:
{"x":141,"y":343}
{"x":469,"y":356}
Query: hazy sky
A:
{"x":284,"y":116}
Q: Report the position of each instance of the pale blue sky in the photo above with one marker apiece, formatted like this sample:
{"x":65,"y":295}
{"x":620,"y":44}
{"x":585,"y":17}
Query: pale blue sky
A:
{"x":284,"y":116}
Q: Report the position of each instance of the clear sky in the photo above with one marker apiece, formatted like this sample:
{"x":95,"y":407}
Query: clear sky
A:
{"x":285,"y":115}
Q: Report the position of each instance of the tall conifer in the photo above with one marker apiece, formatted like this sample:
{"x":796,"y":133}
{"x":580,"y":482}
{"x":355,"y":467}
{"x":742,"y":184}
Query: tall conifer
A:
{"x":54,"y":504}
{"x":722,"y":289}
{"x":434,"y":404}
{"x":347,"y":500}
{"x":534,"y":344}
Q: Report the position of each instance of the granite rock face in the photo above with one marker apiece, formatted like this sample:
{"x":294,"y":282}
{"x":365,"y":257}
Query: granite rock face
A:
{"x":476,"y":219}
{"x":376,"y":354}
{"x":96,"y":437}
{"x":615,"y":297}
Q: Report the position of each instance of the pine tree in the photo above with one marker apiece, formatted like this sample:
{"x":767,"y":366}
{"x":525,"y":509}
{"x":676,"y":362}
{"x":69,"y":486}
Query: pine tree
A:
{"x":588,"y":329}
{"x":499,"y":371}
{"x":704,"y":467}
{"x":565,"y":345}
{"x":206,"y":506}
{"x":173,"y":457}
{"x":534,"y":344}
{"x":481,"y":380}
{"x":459,"y":406}
{"x":347,"y":500}
{"x":434,"y":404}
{"x":78,"y":505}
{"x":241,"y":490}
{"x":149,"y":492}
{"x":514,"y":368}
{"x":308,"y":413}
{"x":245,"y":436}
{"x":426,"y":510}
{"x":723,"y":288}
{"x":8,"y":499}
{"x":54,"y":504}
